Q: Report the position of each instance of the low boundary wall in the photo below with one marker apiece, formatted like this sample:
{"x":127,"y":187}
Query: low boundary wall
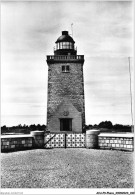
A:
{"x":116,"y":141}
{"x":121,"y":141}
{"x":16,"y":142}
{"x":22,"y":142}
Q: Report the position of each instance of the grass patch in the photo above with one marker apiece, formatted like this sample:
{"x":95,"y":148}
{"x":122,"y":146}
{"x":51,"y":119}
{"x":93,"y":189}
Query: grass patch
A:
{"x":67,"y":168}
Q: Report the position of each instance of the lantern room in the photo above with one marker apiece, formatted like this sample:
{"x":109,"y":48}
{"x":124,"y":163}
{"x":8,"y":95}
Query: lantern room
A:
{"x":65,"y":45}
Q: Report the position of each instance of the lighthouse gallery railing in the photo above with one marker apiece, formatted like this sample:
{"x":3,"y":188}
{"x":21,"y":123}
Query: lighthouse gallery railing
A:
{"x":65,"y":57}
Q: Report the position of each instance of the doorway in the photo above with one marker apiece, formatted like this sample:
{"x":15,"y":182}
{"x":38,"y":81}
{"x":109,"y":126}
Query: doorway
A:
{"x":65,"y":124}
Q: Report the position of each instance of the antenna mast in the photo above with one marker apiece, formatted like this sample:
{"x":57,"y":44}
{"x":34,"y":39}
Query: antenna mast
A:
{"x":132,"y":128}
{"x":72,"y":29}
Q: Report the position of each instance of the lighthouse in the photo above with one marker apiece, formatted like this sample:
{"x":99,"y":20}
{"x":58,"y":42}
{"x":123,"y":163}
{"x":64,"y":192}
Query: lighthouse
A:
{"x":65,"y":104}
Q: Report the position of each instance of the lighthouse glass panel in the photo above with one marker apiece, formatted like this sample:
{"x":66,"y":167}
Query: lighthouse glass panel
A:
{"x":65,"y":45}
{"x":71,"y":46}
{"x":60,"y":45}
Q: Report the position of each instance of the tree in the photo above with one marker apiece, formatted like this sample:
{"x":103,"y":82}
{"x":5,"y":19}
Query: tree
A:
{"x":33,"y":127}
{"x":105,"y":124}
{"x":4,"y":129}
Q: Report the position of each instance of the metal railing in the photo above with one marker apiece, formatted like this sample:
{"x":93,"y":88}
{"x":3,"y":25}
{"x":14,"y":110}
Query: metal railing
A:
{"x":65,"y":57}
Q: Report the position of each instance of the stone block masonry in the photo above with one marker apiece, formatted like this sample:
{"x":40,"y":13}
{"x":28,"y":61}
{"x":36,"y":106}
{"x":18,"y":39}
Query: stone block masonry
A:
{"x":22,"y":142}
{"x":63,"y":86}
{"x":73,"y":114}
{"x":16,"y":142}
{"x":116,"y":141}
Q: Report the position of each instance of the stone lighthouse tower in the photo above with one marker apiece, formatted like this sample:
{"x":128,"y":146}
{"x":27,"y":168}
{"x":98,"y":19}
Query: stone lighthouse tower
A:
{"x":65,"y":106}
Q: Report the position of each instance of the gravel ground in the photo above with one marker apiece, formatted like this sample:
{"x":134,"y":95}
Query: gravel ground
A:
{"x":67,"y":168}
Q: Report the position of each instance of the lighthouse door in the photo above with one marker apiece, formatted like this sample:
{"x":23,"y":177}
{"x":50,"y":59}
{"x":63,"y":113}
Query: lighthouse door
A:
{"x":65,"y":124}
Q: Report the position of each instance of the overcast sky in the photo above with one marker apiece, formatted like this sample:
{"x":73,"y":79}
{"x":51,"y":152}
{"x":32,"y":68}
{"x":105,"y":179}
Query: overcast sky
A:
{"x":103,"y":32}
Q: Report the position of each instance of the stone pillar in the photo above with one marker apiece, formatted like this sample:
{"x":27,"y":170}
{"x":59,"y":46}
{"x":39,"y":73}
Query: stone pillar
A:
{"x":38,"y":138}
{"x":92,"y":138}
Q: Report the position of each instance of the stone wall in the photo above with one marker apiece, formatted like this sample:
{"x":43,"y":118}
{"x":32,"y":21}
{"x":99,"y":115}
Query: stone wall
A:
{"x":65,"y":85}
{"x":116,"y":141}
{"x":22,"y":142}
{"x":16,"y":142}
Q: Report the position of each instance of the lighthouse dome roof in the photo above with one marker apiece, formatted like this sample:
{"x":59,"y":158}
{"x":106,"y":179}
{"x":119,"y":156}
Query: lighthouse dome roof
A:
{"x":65,"y":37}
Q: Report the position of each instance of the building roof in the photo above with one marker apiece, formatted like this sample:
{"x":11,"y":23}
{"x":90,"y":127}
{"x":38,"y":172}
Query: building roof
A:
{"x":65,"y":38}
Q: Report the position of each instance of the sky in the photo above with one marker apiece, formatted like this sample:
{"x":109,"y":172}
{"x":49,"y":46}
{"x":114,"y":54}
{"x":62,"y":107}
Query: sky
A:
{"x":103,"y":33}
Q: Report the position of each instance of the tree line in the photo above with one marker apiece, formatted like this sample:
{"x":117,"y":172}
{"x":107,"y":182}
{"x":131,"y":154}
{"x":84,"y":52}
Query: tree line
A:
{"x":107,"y":126}
{"x":26,"y":129}
{"x":104,"y":126}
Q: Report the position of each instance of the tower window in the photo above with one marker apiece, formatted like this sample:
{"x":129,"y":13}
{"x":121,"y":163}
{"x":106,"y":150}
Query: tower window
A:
{"x":65,"y":68}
